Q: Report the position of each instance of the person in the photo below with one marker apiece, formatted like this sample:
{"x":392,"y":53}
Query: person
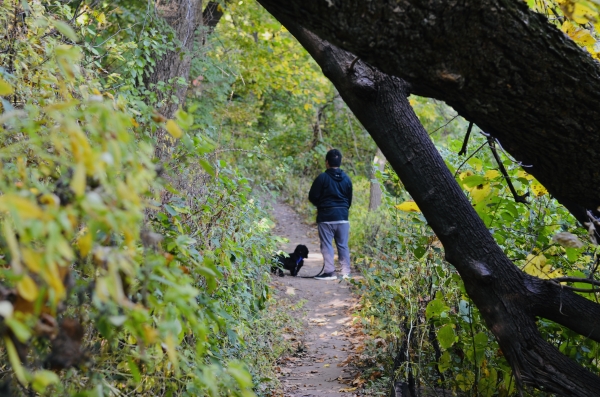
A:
{"x":331,"y":193}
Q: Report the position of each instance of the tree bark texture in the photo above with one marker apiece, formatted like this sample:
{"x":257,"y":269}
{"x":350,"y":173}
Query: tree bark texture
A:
{"x":499,"y":64}
{"x":508,"y":299}
{"x":375,"y":189}
{"x":184,"y":17}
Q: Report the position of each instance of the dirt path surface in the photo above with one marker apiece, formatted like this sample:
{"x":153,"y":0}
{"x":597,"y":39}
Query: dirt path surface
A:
{"x":319,"y":367}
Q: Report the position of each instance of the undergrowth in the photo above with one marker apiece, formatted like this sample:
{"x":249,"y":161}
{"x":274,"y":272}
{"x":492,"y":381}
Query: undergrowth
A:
{"x":120,"y":274}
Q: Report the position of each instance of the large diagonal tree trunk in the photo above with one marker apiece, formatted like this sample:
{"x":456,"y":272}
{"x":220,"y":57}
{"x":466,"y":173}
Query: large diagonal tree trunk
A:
{"x":499,"y":64}
{"x":508,"y":299}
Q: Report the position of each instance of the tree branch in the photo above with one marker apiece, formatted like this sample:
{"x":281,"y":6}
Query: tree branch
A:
{"x":518,"y":198}
{"x":463,"y":150}
{"x":496,"y":62}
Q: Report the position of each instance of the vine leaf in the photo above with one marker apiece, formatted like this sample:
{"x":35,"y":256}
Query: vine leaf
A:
{"x":408,"y":206}
{"x":446,"y":336}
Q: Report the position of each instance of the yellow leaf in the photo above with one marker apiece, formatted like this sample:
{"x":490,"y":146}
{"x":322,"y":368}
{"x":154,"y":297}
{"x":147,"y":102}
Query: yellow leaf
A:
{"x":27,"y":289}
{"x":78,"y":181}
{"x":49,"y":199}
{"x":26,"y":209}
{"x":480,"y":192}
{"x":5,"y":88}
{"x":583,"y":37}
{"x":492,"y":174}
{"x":173,"y":129}
{"x":583,"y":14}
{"x":101,"y":18}
{"x":307,"y":106}
{"x":408,"y":206}
{"x":537,"y":260}
{"x":536,"y":266}
{"x":555,"y":274}
{"x":80,"y":145}
{"x":32,"y":259}
{"x":52,"y":277}
{"x":568,"y":27}
{"x":538,"y":189}
{"x":531,"y":269}
{"x":84,"y":243}
{"x":465,"y":174}
{"x":523,"y":174}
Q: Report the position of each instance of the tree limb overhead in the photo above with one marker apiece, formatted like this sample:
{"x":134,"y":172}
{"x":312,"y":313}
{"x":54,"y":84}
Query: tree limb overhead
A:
{"x":499,"y":64}
{"x":508,"y":299}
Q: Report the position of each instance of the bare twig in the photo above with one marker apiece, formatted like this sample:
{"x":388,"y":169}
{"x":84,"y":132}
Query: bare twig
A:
{"x":437,"y":129}
{"x":518,"y":198}
{"x":463,"y":150}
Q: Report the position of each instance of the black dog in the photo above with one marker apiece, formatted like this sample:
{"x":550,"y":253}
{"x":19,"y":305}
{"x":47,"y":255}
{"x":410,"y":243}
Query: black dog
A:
{"x":293,"y":262}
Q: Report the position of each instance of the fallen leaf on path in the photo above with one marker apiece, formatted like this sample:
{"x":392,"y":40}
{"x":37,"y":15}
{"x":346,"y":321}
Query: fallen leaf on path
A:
{"x":326,"y":366}
{"x":290,"y":291}
{"x":345,"y":362}
{"x":347,"y":389}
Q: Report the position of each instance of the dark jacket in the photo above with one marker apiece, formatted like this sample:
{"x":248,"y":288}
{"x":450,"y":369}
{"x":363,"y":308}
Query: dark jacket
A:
{"x":331,"y":193}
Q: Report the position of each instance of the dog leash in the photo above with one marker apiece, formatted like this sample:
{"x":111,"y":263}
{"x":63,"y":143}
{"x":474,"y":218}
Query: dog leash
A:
{"x":318,"y":274}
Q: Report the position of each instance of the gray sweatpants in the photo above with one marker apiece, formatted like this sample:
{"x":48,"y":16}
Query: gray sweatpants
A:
{"x":340,"y":232}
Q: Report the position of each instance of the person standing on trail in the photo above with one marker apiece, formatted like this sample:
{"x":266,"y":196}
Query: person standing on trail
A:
{"x":331,"y":193}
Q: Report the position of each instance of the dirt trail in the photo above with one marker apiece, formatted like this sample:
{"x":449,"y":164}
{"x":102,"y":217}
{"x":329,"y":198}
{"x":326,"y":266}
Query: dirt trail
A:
{"x":320,"y":365}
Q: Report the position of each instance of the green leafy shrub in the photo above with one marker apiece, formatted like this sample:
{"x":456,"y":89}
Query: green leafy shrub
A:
{"x":416,"y":302}
{"x":119,"y":275}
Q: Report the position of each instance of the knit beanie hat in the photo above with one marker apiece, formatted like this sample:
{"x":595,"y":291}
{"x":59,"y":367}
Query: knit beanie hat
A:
{"x":334,"y":158}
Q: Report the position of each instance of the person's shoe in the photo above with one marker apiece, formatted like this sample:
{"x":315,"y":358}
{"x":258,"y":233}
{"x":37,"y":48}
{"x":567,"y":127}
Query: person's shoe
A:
{"x":326,"y":276}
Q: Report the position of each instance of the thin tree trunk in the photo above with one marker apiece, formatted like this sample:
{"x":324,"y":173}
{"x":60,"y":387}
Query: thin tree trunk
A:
{"x":375,"y":191}
{"x":508,"y":299}
{"x":184,"y":17}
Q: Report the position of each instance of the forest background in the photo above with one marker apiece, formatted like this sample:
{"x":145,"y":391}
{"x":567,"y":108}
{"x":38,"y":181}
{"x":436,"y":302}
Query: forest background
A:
{"x":136,"y":239}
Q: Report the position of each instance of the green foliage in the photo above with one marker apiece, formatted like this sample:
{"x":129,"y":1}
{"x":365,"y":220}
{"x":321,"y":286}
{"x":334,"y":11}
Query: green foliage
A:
{"x":124,"y":276}
{"x":410,"y":295}
{"x":120,"y":275}
{"x":267,"y":105}
{"x":578,"y":19}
